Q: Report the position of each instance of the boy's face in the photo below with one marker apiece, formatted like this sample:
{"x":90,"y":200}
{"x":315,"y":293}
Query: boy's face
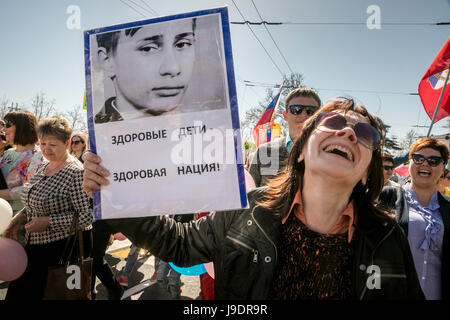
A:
{"x":153,"y":67}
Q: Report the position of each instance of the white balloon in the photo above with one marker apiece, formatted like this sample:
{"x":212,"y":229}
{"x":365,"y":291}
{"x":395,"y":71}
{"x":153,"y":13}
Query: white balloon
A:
{"x":5,"y":214}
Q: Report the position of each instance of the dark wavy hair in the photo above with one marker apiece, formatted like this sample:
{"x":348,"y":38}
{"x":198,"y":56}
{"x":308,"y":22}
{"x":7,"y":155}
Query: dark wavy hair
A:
{"x":26,"y":127}
{"x":283,"y":187}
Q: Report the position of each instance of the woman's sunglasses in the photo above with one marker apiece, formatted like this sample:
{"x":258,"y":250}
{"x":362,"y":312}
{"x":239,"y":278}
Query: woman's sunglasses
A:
{"x":8,"y":124}
{"x":366,"y":134}
{"x":388,"y":168}
{"x":433,"y":161}
{"x":297,"y":109}
{"x":76,"y":142}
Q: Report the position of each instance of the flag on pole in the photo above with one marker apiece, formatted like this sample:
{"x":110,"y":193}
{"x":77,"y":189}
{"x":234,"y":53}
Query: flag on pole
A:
{"x":260,"y":131}
{"x":432,"y":84}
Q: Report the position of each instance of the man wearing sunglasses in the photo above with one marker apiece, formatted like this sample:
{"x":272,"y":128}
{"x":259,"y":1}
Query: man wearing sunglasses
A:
{"x":388,"y":170}
{"x":269,"y":158}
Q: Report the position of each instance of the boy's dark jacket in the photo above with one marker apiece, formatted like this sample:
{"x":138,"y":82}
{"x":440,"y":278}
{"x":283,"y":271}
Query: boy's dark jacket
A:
{"x":393,"y":198}
{"x":243,"y":245}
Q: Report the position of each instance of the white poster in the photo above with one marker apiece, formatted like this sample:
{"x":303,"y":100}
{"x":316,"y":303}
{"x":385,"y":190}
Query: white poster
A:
{"x":163,"y":116}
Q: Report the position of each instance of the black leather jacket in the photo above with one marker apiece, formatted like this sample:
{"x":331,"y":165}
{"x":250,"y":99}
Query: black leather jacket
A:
{"x":243,"y":245}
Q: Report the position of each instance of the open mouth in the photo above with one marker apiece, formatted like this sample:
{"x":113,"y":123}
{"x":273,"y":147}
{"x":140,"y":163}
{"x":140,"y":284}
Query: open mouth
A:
{"x":340,"y":151}
{"x":424,"y":173}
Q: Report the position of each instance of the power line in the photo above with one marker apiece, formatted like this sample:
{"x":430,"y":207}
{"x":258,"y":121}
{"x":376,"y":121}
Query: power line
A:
{"x":369,"y":91}
{"x":141,"y":7}
{"x":270,"y":85}
{"x":132,"y":8}
{"x":276,"y":45}
{"x":153,"y":10}
{"x":281,"y":72}
{"x":263,"y":22}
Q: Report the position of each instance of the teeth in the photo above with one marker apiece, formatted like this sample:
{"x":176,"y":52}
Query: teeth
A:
{"x":340,"y":148}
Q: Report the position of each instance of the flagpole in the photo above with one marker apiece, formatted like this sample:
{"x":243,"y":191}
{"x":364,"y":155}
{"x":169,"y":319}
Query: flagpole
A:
{"x":439,"y":103}
{"x":275,"y":109}
{"x":278,"y":102}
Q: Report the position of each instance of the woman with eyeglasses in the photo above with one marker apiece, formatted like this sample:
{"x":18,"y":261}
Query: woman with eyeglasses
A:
{"x":18,"y":164}
{"x":424,"y":215}
{"x":78,"y":144}
{"x":313,"y":234}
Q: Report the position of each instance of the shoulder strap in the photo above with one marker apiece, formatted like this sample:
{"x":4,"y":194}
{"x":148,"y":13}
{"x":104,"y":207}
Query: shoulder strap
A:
{"x":74,"y":229}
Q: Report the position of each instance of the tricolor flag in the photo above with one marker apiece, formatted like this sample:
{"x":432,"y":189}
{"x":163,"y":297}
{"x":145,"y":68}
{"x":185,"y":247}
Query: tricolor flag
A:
{"x":260,"y":131}
{"x":432,"y":84}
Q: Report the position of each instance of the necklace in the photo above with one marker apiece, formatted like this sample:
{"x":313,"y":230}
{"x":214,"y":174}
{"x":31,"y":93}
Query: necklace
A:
{"x":51,"y":171}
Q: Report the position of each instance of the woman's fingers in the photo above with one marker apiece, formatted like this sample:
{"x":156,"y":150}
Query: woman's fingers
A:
{"x":94,"y":174}
{"x":29,"y":226}
{"x":91,"y":163}
{"x":92,"y":181}
{"x":91,"y":157}
{"x":38,"y":224}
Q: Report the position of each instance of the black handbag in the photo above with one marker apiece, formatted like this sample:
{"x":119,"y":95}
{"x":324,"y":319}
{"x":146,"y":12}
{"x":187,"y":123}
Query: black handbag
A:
{"x":71,"y":278}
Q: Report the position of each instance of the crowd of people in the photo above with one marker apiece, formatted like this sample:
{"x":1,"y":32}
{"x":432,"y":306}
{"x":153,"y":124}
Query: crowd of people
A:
{"x":326,"y":220}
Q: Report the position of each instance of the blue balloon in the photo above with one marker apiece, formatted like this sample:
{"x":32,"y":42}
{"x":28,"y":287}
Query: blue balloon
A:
{"x":190,"y":271}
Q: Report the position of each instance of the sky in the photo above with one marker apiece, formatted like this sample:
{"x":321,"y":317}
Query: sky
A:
{"x":329,"y":42}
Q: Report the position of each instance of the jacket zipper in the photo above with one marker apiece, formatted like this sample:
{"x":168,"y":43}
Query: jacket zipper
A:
{"x":372,"y":259}
{"x":265,"y":234}
{"x":255,"y":252}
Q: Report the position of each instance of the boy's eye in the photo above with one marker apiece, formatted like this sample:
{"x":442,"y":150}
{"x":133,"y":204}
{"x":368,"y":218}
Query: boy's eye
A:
{"x":148,"y":48}
{"x":183,"y":44}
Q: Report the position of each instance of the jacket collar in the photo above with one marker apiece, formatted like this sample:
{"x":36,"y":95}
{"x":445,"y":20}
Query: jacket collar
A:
{"x":373,"y":228}
{"x":268,"y":222}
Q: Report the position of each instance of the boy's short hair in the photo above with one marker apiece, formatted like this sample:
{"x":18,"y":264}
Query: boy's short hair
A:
{"x":432,"y":143}
{"x":26,"y":124}
{"x":57,"y":127}
{"x":302,"y":92}
{"x":109,"y":40}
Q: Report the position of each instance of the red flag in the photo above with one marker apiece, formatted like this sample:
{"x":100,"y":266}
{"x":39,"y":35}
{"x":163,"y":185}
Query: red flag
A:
{"x":265,"y":122}
{"x":432,"y":84}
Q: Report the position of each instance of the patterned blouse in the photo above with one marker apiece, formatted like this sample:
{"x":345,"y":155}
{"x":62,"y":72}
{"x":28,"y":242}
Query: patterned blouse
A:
{"x":17,"y":168}
{"x":312,"y":266}
{"x":58,"y":196}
